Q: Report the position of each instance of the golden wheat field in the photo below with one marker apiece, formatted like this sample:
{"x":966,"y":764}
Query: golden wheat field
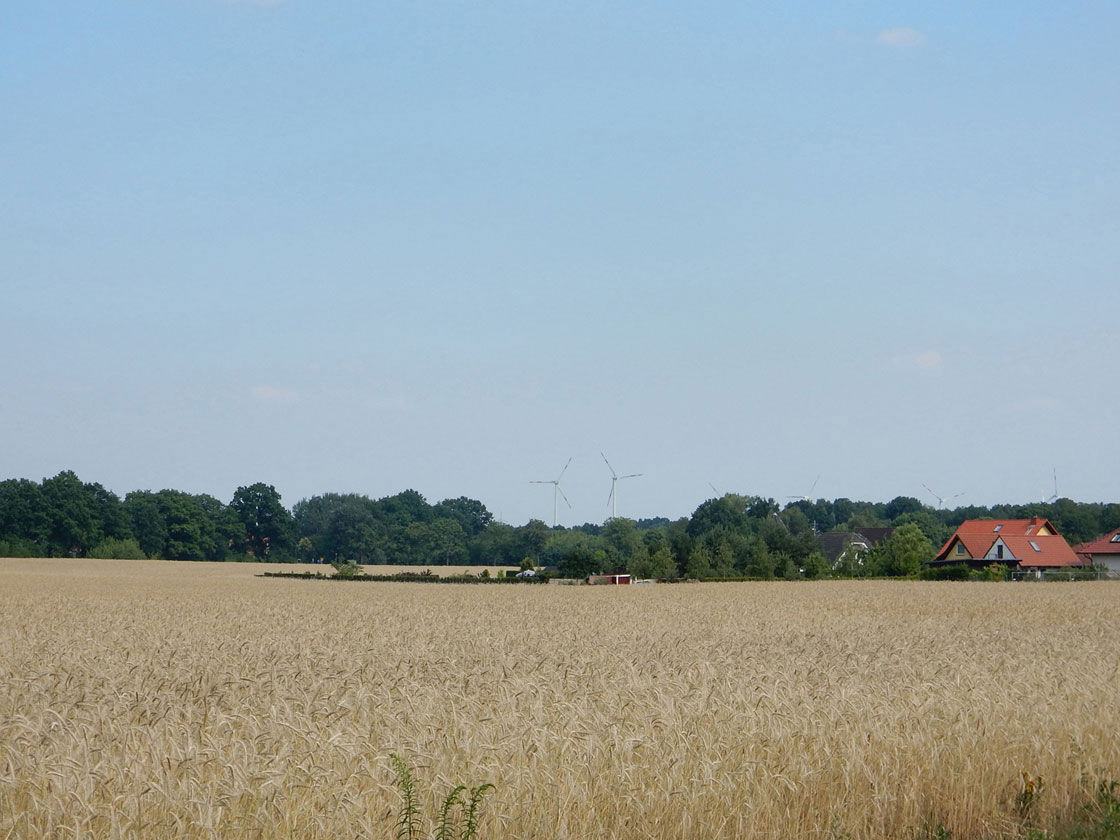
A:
{"x":149,"y":699}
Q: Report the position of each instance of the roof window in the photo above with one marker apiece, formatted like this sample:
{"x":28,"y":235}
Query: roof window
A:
{"x":1034,"y":545}
{"x":1115,"y":538}
{"x":998,"y":528}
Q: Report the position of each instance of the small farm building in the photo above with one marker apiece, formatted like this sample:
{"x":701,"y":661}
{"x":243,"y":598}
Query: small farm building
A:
{"x":608,"y":579}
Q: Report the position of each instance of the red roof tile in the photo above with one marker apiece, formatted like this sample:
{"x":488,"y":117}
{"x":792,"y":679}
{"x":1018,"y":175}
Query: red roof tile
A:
{"x":1022,"y":527}
{"x":1021,"y":537}
{"x":1052,"y":551}
{"x":1102,"y":545}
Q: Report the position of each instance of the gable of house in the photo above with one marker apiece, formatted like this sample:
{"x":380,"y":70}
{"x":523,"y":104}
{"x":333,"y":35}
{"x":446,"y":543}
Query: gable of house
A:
{"x":965,"y":547}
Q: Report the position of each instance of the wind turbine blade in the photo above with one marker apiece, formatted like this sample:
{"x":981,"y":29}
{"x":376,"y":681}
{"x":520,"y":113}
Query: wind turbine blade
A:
{"x":540,"y":482}
{"x":564,"y":470}
{"x":814,"y":487}
{"x":562,"y":496}
{"x":611,"y":496}
{"x":632,"y":475}
{"x":608,"y":463}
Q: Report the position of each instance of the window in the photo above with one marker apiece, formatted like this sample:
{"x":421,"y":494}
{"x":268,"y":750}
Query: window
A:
{"x":999,"y":551}
{"x":1115,"y":539}
{"x":960,"y":548}
{"x":997,"y":529}
{"x":1034,"y":545}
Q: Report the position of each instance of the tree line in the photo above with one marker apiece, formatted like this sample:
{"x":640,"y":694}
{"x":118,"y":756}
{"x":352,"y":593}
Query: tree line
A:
{"x":733,"y":536}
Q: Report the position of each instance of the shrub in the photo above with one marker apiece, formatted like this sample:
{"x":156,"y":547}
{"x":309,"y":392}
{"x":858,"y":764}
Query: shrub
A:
{"x":112,"y":548}
{"x":994,"y":572}
{"x":955,"y":571}
{"x":347,"y":570}
{"x":17,"y":547}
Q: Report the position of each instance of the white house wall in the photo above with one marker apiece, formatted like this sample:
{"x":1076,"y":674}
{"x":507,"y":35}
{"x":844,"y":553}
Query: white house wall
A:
{"x":1110,"y":562}
{"x":993,"y":552}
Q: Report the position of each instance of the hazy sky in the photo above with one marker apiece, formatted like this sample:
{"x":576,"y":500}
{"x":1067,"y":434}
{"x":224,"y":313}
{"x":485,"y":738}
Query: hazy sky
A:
{"x":358,"y":246}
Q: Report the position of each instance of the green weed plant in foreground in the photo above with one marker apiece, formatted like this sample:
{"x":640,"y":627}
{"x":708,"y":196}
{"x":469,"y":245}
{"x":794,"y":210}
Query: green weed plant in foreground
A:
{"x":458,"y":815}
{"x":1102,"y":817}
{"x":1099,"y":819}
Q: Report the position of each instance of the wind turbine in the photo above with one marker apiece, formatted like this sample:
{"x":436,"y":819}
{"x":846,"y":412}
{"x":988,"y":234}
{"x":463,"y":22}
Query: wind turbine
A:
{"x":612,"y":500}
{"x":940,"y":500}
{"x":556,"y":490}
{"x":806,"y":497}
{"x":1053,"y":498}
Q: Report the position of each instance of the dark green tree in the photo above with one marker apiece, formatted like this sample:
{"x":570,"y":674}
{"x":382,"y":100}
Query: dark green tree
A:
{"x":899,"y":505}
{"x":146,"y":521}
{"x":448,"y":542}
{"x":498,"y":545}
{"x":533,"y":537}
{"x":405,"y":508}
{"x":728,"y":512}
{"x":73,"y":527}
{"x":903,"y":554}
{"x":699,"y":563}
{"x":723,"y":559}
{"x":580,"y":560}
{"x":815,"y":565}
{"x":934,"y":528}
{"x":223,"y":531}
{"x":662,"y":565}
{"x":621,"y":540}
{"x":760,"y":563}
{"x":471,"y":514}
{"x":23,"y":516}
{"x":269,"y":527}
{"x":187,"y":528}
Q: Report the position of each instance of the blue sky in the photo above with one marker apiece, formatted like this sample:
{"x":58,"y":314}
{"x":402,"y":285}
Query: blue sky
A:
{"x":447,"y":246}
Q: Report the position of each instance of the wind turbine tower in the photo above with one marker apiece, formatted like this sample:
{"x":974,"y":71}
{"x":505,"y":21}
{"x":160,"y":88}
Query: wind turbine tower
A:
{"x":1053,"y":498}
{"x":556,"y":491}
{"x":615,"y":478}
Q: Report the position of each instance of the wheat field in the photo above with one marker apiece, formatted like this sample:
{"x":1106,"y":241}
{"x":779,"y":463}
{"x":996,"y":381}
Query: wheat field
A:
{"x":148,"y":699}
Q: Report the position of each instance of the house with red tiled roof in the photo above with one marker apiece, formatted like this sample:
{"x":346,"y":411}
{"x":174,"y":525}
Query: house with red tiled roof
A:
{"x":1103,"y":552}
{"x":1032,"y":545}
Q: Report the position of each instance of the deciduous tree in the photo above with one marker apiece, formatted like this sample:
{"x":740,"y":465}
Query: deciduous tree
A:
{"x":269,"y":528}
